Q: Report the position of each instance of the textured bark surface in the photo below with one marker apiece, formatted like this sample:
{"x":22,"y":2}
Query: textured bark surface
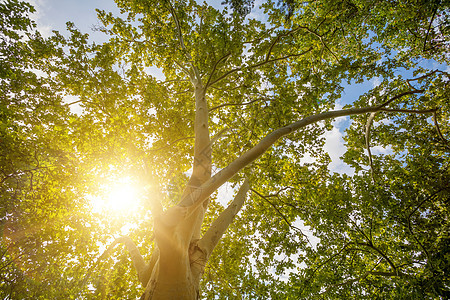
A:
{"x":179,"y":261}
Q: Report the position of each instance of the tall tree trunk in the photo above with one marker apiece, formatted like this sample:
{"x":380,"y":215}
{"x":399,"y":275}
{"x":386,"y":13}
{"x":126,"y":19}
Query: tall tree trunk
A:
{"x":176,"y":274}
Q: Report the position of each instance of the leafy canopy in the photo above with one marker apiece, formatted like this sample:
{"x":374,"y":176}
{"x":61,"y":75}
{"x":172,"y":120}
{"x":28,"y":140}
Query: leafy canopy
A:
{"x":381,"y":232}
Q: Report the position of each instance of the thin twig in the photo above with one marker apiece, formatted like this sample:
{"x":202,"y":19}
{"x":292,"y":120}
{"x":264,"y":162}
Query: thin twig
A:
{"x":280,"y":58}
{"x":410,"y":226}
{"x":320,"y":38}
{"x":328,"y":260}
{"x":277,"y":39}
{"x":234,"y":104}
{"x":370,"y":122}
{"x":259,"y":65}
{"x":429,"y":28}
{"x":425,"y":200}
{"x":282,"y":215}
{"x":388,"y":260}
{"x":172,"y":143}
{"x":359,"y":278}
{"x":399,"y":96}
{"x":215,"y":67}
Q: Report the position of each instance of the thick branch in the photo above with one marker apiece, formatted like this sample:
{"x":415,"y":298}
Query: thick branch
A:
{"x":184,"y":70}
{"x":248,"y":157}
{"x":422,"y":77}
{"x":137,"y":259}
{"x":369,"y":153}
{"x":139,"y":264}
{"x":196,"y":198}
{"x":74,"y":102}
{"x":202,"y":147}
{"x":210,"y":239}
{"x":399,"y":96}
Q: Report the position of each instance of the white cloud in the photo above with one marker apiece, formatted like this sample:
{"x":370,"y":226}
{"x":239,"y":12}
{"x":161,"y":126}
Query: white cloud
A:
{"x":39,"y":17}
{"x":308,"y":159}
{"x":306,"y":230}
{"x":340,"y":121}
{"x":375,"y":81}
{"x":381,"y":150}
{"x":385,"y":121}
{"x":334,"y":145}
{"x":257,"y":13}
{"x":225,"y":194}
{"x":155,"y":72}
{"x":75,"y":107}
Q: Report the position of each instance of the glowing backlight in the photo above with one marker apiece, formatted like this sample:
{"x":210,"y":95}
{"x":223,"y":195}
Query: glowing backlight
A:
{"x":119,"y":198}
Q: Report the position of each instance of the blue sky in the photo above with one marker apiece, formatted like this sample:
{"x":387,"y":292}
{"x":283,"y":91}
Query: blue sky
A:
{"x":53,"y":14}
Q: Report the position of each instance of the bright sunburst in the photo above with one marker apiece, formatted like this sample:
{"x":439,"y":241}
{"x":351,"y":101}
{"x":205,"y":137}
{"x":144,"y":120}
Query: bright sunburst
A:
{"x":119,"y":197}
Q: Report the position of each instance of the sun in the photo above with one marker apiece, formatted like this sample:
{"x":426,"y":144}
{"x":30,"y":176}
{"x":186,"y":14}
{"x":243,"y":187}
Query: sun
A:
{"x":122,"y":197}
{"x":119,"y":197}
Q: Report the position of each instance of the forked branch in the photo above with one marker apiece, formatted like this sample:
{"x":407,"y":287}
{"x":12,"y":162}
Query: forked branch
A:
{"x":210,"y":239}
{"x":224,"y":58}
{"x":386,"y":103}
{"x":265,"y":198}
{"x":196,"y":198}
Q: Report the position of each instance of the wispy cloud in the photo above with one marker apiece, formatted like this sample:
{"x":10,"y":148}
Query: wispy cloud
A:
{"x":334,"y":145}
{"x":376,"y":81}
{"x":38,"y":17}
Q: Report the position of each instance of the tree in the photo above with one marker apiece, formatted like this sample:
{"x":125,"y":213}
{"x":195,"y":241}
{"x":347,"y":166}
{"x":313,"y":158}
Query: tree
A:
{"x":243,"y":101}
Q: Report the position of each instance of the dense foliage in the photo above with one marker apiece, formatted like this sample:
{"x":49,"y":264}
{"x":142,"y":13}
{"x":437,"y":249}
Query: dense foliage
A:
{"x":381,"y":232}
